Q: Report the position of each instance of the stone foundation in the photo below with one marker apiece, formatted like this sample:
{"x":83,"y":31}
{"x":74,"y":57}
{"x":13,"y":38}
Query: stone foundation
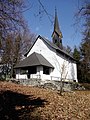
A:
{"x":48,"y":84}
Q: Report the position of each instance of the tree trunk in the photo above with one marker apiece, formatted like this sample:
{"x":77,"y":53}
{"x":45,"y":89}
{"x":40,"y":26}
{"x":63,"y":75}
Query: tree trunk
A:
{"x":61,"y":87}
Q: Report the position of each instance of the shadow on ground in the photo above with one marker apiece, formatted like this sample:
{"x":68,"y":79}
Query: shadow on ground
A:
{"x":17,"y":106}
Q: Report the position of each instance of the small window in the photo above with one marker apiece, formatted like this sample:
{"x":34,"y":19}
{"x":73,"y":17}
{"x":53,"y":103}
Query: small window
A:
{"x":22,"y":71}
{"x":46,"y":70}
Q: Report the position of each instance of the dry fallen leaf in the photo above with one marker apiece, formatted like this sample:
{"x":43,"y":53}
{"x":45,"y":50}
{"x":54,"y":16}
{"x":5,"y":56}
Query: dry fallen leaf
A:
{"x":19,"y":102}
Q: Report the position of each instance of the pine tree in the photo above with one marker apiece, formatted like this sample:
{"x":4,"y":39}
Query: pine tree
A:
{"x":84,"y":66}
{"x":76,"y":54}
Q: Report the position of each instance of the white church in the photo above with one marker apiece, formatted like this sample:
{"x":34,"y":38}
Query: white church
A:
{"x":48,"y":61}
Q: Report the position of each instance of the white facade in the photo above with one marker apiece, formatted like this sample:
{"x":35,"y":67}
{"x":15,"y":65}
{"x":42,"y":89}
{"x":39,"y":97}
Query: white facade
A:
{"x":64,"y":67}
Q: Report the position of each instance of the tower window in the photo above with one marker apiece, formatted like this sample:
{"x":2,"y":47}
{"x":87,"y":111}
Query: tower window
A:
{"x":55,"y":41}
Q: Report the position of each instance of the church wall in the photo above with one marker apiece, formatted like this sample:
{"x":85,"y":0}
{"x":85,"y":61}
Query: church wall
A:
{"x":58,"y":61}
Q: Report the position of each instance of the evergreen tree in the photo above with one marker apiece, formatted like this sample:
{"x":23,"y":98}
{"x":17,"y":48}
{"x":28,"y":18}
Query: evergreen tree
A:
{"x":68,"y":49}
{"x":84,"y":63}
{"x":76,"y":54}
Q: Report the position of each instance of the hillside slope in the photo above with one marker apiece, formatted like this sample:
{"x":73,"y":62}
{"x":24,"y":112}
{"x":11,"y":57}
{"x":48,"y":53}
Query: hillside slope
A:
{"x":19,"y":102}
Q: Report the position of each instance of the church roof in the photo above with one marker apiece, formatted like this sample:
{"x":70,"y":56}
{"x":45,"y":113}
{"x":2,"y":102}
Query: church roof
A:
{"x":61,"y":51}
{"x":34,"y":59}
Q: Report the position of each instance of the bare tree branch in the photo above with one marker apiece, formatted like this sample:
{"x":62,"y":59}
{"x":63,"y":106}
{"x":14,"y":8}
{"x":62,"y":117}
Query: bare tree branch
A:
{"x":48,"y":15}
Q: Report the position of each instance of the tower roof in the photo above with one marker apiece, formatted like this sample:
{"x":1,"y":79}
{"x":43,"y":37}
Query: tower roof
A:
{"x":56,"y":26}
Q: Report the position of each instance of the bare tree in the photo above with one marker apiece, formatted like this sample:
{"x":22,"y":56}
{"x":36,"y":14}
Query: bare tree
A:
{"x":14,"y":48}
{"x":64,"y":74}
{"x":63,"y":71}
{"x":28,"y":39}
{"x":11,"y":18}
{"x":10,"y":14}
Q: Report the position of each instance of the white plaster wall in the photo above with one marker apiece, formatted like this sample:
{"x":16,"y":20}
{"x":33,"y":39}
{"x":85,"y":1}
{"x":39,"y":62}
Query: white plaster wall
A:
{"x":56,"y":60}
{"x":75,"y":70}
{"x":18,"y":76}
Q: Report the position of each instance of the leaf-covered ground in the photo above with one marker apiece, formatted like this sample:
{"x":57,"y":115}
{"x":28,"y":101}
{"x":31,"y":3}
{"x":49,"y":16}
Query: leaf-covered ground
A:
{"x":19,"y":102}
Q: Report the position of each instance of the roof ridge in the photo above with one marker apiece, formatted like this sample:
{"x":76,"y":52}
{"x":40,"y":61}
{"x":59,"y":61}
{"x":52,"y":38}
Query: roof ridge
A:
{"x":56,"y":47}
{"x":52,"y":45}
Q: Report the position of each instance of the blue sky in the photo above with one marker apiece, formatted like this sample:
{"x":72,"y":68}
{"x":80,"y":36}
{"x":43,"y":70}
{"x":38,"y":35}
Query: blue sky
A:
{"x":41,"y":25}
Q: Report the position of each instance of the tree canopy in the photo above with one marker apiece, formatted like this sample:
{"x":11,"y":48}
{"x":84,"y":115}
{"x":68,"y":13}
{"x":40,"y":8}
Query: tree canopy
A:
{"x":83,"y":55}
{"x":11,"y":17}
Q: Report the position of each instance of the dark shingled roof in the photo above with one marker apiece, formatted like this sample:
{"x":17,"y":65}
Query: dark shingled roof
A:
{"x":34,"y":59}
{"x":56,"y":26}
{"x":61,"y":51}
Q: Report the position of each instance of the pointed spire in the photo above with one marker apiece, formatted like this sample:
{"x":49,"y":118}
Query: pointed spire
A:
{"x":57,"y":34}
{"x":56,"y":25}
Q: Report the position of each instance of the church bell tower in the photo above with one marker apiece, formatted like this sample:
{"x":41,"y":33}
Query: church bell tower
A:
{"x":57,"y":34}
